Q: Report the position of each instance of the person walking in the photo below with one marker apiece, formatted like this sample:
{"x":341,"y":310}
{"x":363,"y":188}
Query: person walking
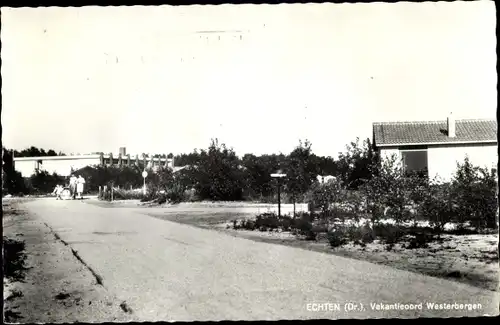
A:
{"x":72,"y":186}
{"x":79,"y":186}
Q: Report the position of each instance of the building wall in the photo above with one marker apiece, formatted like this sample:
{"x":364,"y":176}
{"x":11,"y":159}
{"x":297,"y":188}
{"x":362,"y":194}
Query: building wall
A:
{"x":443,"y":160}
{"x":61,"y":167}
{"x":387,"y":153}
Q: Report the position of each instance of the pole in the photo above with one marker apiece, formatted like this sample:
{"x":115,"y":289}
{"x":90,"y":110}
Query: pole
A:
{"x":279,"y":200}
{"x":144,"y":187}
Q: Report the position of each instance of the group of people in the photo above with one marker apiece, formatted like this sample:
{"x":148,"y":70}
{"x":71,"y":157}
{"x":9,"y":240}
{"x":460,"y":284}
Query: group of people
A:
{"x":76,"y":185}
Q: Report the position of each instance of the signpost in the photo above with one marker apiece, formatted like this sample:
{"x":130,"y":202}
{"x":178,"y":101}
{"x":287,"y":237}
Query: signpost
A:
{"x":144,"y":175}
{"x":279,"y":175}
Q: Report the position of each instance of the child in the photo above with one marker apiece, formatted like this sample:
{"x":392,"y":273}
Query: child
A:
{"x":57,"y":191}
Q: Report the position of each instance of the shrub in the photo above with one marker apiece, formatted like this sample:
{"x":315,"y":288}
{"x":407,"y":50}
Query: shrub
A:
{"x":367,"y":233}
{"x":174,"y":194}
{"x":122,"y":194}
{"x":150,"y":196}
{"x":390,"y":234}
{"x":420,"y":240}
{"x":44,"y":183}
{"x":337,"y":236}
{"x":474,"y":191}
{"x":436,"y":206}
{"x":247,"y":224}
{"x":325,"y":196}
{"x":390,"y":190}
{"x":353,"y":233}
{"x":190,"y":195}
{"x":267,"y":221}
{"x":302,"y":224}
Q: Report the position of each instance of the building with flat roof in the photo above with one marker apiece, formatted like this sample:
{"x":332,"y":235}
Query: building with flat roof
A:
{"x":64,"y":165}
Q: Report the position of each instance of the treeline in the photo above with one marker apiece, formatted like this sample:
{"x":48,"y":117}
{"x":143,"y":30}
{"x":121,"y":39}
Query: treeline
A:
{"x":37,"y":152}
{"x":217,"y":173}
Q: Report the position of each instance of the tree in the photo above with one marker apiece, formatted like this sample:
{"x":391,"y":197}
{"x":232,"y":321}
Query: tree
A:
{"x":436,"y":205}
{"x":36,"y":152}
{"x":218,"y":174}
{"x":44,"y":182}
{"x":474,"y":192}
{"x":12,"y":180}
{"x":357,"y":164}
{"x":325,"y":165}
{"x":301,"y":171}
{"x":324,"y":195}
{"x":190,"y":159}
{"x":257,"y":174}
{"x":389,"y":188}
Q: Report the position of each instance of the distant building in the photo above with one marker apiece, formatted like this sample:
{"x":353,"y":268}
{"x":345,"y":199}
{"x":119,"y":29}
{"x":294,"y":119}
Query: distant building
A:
{"x":436,"y":146}
{"x":64,"y":165}
{"x":325,"y":179}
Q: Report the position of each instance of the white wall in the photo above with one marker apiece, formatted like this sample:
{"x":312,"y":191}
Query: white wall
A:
{"x":61,"y":167}
{"x":443,"y":161}
{"x":387,"y":154}
{"x":26,"y":168}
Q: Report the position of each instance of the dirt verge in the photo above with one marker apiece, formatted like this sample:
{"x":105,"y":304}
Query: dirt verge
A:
{"x":44,"y":282}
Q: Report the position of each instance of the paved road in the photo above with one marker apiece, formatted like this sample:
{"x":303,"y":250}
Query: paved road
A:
{"x":169,"y":271}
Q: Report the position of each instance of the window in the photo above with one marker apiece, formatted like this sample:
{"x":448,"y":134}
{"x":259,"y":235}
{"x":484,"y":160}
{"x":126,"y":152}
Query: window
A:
{"x":415,"y":161}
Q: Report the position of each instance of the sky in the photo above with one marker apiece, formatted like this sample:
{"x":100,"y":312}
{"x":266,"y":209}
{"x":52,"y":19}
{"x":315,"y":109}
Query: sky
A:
{"x":164,"y":79}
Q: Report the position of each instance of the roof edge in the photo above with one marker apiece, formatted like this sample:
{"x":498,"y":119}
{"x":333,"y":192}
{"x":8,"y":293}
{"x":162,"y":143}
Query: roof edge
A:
{"x":435,"y":143}
{"x":434,"y":121}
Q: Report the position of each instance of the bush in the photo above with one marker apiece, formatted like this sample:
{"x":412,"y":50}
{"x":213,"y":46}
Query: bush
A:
{"x":367,"y":234}
{"x":390,"y":234}
{"x":246,"y":224}
{"x":337,"y":236}
{"x":161,"y":198}
{"x":44,"y":183}
{"x":390,"y":190}
{"x":420,"y":240}
{"x":122,"y":194}
{"x":436,"y":206}
{"x":303,"y":225}
{"x":267,"y":221}
{"x":174,"y":194}
{"x":474,"y":191}
{"x":325,"y":196}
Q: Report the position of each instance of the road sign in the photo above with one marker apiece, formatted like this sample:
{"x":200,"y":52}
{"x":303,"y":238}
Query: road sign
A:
{"x":144,"y":174}
{"x":278,"y":175}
